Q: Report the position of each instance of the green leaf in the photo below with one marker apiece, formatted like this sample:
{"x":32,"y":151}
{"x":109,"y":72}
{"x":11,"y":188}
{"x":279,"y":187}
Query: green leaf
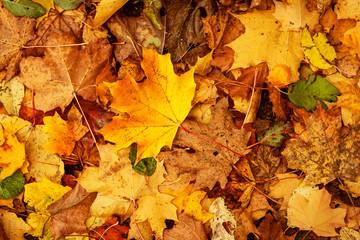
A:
{"x":307,"y":93}
{"x":145,"y":166}
{"x":24,"y":8}
{"x":276,"y":141}
{"x":68,"y":4}
{"x":12,"y":186}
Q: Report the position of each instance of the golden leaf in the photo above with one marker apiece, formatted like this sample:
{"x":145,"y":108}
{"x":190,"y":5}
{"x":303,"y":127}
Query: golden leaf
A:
{"x":63,"y":134}
{"x":156,"y":107}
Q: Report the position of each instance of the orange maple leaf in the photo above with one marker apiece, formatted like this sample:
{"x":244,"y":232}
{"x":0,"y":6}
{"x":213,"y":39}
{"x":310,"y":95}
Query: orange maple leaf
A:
{"x":63,"y":134}
{"x":156,"y":107}
{"x":315,"y":213}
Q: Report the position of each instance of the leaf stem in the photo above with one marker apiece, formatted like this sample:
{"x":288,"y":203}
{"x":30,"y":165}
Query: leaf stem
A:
{"x":280,"y":90}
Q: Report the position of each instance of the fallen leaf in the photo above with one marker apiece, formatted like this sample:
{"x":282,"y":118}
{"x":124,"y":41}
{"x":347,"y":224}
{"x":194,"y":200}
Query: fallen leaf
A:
{"x":294,"y":15}
{"x":221,"y":28}
{"x":331,"y":156}
{"x":258,"y":206}
{"x":66,"y":132}
{"x":11,"y":95}
{"x":270,"y":229}
{"x":75,"y":71}
{"x":314,"y":214}
{"x":184,"y":25}
{"x":307,"y":93}
{"x":317,"y":49}
{"x":348,"y":9}
{"x":210,"y":163}
{"x":24,"y":8}
{"x":42,"y":164}
{"x":189,"y":203}
{"x":224,"y":223}
{"x":154,"y":120}
{"x":68,"y":214}
{"x":12,"y":151}
{"x":244,"y":225}
{"x":351,"y":39}
{"x":284,"y":188}
{"x":12,"y":186}
{"x":186,"y":228}
{"x":14,"y":227}
{"x":47,"y":5}
{"x":110,"y":230}
{"x":263,"y":41}
{"x":156,"y":209}
{"x":40,"y":195}
{"x":264,"y":163}
{"x":16,"y":33}
{"x":105,"y":9}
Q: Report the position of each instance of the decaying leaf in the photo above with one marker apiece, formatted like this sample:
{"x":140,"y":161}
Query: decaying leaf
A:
{"x":326,"y":155}
{"x":186,"y":228}
{"x":16,"y":33}
{"x":156,"y":109}
{"x":210,"y":163}
{"x":11,"y":95}
{"x":315,"y":213}
{"x":68,"y":214}
{"x":224,"y":223}
{"x":14,"y":226}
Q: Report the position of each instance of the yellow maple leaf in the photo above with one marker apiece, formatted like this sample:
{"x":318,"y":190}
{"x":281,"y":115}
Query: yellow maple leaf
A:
{"x":315,"y":213}
{"x":63,"y":134}
{"x":352,"y":39}
{"x":264,"y":41}
{"x":156,"y":209}
{"x":12,"y":152}
{"x":190,"y":203}
{"x":156,"y":107}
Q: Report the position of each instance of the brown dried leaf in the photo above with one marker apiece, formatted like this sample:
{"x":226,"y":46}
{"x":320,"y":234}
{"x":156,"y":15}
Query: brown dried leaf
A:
{"x":184,"y":25}
{"x":327,"y":155}
{"x":69,"y":213}
{"x":65,"y":68}
{"x":186,"y":228}
{"x":269,"y":229}
{"x":210,"y":163}
{"x":222,"y":28}
{"x":15,"y":32}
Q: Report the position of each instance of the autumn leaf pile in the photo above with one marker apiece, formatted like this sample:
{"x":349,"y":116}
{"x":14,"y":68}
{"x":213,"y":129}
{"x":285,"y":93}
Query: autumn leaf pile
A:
{"x":179,"y":119}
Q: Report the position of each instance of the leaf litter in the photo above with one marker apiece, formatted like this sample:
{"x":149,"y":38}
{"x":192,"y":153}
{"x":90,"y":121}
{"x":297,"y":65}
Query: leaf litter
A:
{"x":161,"y":110}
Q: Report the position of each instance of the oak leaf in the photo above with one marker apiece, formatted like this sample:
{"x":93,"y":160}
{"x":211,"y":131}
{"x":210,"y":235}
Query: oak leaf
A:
{"x":156,"y":209}
{"x":68,"y":214}
{"x":64,"y":132}
{"x":315,"y":213}
{"x":155,"y":106}
{"x":325,"y":155}
{"x":210,"y":163}
{"x":263,"y":41}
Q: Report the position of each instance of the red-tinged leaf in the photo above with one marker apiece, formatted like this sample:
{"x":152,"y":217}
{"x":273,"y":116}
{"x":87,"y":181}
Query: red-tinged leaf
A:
{"x":111,"y":230}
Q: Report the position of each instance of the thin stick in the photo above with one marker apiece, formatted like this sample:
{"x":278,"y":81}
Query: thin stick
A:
{"x":55,"y":46}
{"x":251,"y":98}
